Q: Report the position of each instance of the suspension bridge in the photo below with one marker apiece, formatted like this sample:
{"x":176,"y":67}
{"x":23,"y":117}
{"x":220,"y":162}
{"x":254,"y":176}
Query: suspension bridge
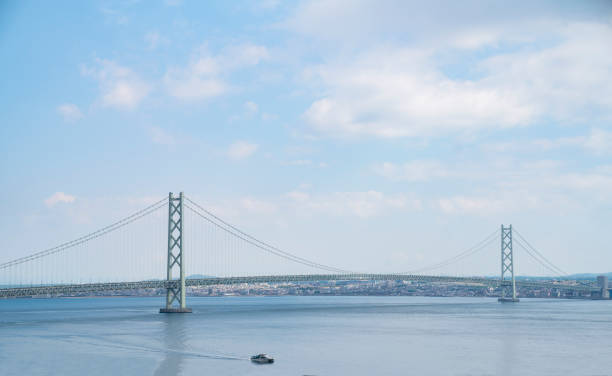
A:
{"x":154,"y":247}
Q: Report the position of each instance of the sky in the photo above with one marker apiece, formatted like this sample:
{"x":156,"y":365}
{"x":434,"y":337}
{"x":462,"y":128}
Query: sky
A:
{"x":371,"y":135}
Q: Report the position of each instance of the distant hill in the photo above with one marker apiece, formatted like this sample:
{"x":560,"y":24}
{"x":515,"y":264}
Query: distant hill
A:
{"x":577,"y":276}
{"x":522,"y":277}
{"x":199,"y":276}
{"x":588,"y":275}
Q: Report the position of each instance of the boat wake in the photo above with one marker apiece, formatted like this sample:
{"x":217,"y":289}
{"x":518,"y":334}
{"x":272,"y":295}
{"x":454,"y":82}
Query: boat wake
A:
{"x":124,"y":346}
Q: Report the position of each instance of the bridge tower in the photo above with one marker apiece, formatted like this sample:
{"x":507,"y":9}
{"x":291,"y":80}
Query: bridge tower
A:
{"x":175,"y":288}
{"x":507,"y":283}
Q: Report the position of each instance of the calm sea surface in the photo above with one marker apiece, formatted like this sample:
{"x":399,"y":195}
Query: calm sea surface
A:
{"x":307,"y":336}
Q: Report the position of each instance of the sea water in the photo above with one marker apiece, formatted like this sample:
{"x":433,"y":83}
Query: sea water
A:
{"x":322,"y":335}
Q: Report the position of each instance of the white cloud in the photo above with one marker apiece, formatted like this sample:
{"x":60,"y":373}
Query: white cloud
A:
{"x":475,"y":38}
{"x":506,"y":184}
{"x":471,"y":205}
{"x":360,"y":204}
{"x":251,"y":107}
{"x":160,"y":136}
{"x":269,"y":4}
{"x":266,"y":116}
{"x":365,"y":204}
{"x":257,"y":206}
{"x":70,"y":112}
{"x":569,"y":81}
{"x":298,"y":162}
{"x":125,"y":95}
{"x":59,"y":197}
{"x":120,"y":87}
{"x":298,"y":196}
{"x":597,"y":141}
{"x":206,"y":75}
{"x":359,"y":23}
{"x":321,"y":19}
{"x":513,"y":186}
{"x":114,"y":15}
{"x":155,"y":39}
{"x":241,"y":150}
{"x":243,"y":55}
{"x":555,"y":69}
{"x":190,"y":85}
{"x":420,"y":170}
{"x":396,"y":92}
{"x":588,"y":187}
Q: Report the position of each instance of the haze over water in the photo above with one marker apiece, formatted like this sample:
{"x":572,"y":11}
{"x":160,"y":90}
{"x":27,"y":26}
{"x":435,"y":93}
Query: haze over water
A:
{"x":307,"y":335}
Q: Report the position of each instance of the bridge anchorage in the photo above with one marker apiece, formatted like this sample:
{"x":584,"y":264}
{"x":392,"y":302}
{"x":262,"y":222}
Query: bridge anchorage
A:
{"x":507,"y":284}
{"x":175,"y":289}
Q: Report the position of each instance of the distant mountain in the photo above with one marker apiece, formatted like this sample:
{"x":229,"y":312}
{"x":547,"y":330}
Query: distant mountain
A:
{"x":199,"y":276}
{"x":577,"y":276}
{"x":588,"y":275}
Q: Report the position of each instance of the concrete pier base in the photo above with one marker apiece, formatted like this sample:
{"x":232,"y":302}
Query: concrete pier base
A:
{"x":508,"y":300}
{"x":175,"y":310}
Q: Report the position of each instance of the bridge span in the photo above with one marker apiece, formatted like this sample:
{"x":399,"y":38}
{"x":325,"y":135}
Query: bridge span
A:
{"x":93,"y":263}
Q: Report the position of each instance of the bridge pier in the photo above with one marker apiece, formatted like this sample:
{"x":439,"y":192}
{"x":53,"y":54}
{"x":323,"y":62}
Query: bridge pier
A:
{"x":175,"y":310}
{"x":507,"y":286}
{"x":175,"y":289}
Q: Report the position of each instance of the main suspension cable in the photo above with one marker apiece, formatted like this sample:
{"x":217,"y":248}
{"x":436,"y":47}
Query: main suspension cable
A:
{"x":92,"y":235}
{"x":544,"y":259}
{"x":549,"y":268}
{"x":468,"y":252}
{"x":258,"y":243}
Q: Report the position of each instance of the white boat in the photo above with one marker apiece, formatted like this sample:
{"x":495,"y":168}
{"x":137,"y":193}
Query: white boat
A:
{"x":262,"y":359}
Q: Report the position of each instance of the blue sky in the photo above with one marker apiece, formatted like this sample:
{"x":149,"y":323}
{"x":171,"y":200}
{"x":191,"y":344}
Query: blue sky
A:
{"x":377,"y":136}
